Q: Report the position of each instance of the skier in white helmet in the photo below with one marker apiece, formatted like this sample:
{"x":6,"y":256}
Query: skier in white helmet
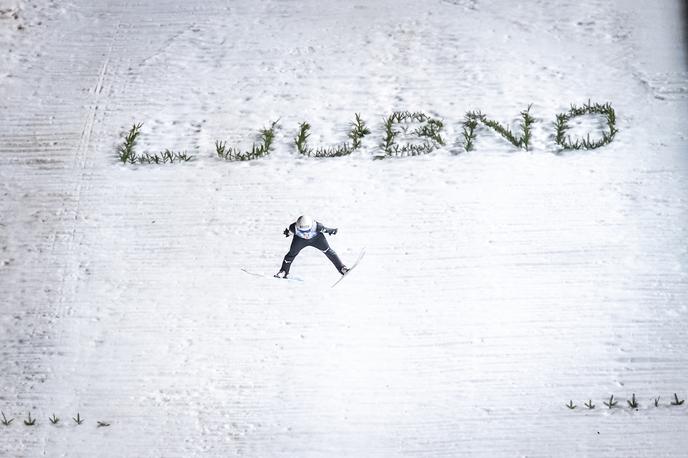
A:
{"x":309,"y":232}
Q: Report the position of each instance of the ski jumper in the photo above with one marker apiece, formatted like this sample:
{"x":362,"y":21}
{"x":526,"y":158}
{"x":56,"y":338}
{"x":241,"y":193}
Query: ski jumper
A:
{"x":315,"y":237}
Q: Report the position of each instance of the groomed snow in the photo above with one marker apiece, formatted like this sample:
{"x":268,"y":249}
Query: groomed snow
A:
{"x":498,"y":284}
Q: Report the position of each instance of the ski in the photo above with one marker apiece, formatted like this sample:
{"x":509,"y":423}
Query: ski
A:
{"x":254,"y":274}
{"x":353,"y":266}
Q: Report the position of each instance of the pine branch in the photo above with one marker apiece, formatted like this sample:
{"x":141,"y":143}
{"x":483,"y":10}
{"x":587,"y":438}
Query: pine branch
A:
{"x":676,"y":401}
{"x":30,"y":421}
{"x":633,"y":404}
{"x":5,"y":421}
{"x":78,"y":420}
{"x":126,"y":151}
{"x":611,"y":402}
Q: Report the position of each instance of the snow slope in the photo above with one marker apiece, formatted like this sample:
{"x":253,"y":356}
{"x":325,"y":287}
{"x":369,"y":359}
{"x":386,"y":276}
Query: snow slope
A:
{"x":498,"y":284}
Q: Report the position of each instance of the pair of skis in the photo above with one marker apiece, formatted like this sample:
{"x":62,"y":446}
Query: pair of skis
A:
{"x":353,"y":266}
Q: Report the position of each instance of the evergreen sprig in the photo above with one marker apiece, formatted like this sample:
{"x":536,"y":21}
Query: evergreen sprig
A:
{"x":561,"y":125}
{"x":611,"y":402}
{"x":126,"y":151}
{"x":358,"y":131}
{"x":30,"y":421}
{"x":5,"y":421}
{"x":301,"y":139}
{"x":78,"y":420}
{"x":470,"y":123}
{"x":676,"y":401}
{"x":633,"y":403}
{"x":526,"y":129}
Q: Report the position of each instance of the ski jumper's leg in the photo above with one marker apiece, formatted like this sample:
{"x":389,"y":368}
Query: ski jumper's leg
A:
{"x":297,"y":244}
{"x":320,"y":242}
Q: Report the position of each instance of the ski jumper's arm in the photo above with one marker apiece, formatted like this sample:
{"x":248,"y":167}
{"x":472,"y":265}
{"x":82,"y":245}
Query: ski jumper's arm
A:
{"x":324,"y":229}
{"x":290,"y":230}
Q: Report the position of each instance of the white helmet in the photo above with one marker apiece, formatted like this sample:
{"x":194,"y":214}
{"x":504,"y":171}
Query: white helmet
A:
{"x":304,"y":223}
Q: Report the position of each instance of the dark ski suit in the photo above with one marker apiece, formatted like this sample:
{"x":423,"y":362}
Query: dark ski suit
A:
{"x":317,"y":240}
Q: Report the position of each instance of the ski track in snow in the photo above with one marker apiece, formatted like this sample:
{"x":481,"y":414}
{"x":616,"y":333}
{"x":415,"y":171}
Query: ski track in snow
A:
{"x":497,"y":284}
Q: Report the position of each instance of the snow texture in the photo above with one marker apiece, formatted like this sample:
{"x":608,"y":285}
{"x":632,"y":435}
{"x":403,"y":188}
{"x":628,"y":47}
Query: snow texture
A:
{"x":498,"y":284}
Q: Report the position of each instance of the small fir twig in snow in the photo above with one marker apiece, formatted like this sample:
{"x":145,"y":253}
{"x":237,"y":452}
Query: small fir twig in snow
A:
{"x":301,"y":139}
{"x":676,"y":401}
{"x":358,"y":131}
{"x":5,"y":421}
{"x":78,"y":420}
{"x":30,"y":421}
{"x":611,"y":402}
{"x":633,"y":404}
{"x":126,"y":151}
{"x":469,"y":125}
{"x":528,"y":121}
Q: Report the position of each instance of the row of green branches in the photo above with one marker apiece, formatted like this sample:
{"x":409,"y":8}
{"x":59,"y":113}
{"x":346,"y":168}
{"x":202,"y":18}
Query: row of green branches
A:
{"x":632,"y":403}
{"x":521,"y":141}
{"x":562,"y":125}
{"x":405,"y":134}
{"x":54,"y":420}
{"x":127,"y":151}
{"x":426,"y":130}
{"x":357,"y":131}
{"x":258,"y":150}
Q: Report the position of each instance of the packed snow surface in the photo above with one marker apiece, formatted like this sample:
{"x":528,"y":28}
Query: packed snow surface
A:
{"x":498,"y":284}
